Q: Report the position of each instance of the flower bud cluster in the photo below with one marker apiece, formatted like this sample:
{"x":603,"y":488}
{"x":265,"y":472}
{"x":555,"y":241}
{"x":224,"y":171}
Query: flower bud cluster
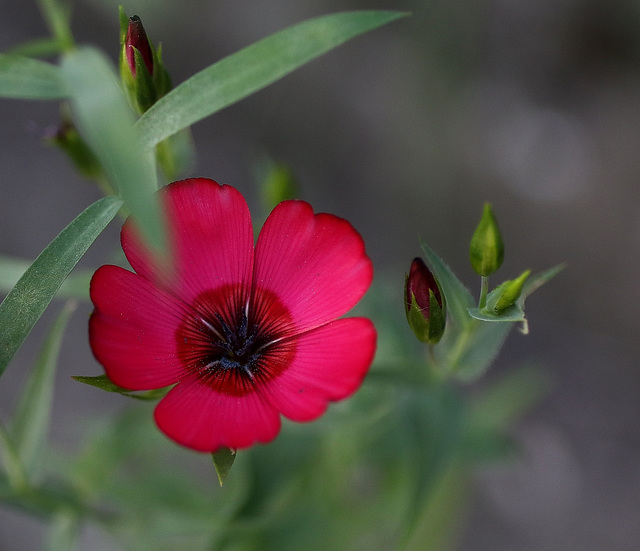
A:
{"x":486,"y":253}
{"x":424,"y":299}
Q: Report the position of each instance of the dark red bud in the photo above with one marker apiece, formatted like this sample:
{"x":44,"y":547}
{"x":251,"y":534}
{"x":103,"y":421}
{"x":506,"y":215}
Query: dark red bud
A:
{"x":419,"y":283}
{"x":424,"y":304}
{"x":137,"y":38}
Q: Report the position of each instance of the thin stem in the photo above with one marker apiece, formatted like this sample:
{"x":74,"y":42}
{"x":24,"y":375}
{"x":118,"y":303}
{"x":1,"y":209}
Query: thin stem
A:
{"x":16,"y":475}
{"x":48,"y":502}
{"x":432,"y":356}
{"x":57,"y":17}
{"x":484,"y":289}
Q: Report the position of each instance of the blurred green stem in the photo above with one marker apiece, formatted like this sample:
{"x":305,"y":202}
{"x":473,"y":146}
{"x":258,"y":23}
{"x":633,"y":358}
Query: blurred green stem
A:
{"x":57,"y":17}
{"x":436,"y":528}
{"x":16,"y":475}
{"x":49,"y":502}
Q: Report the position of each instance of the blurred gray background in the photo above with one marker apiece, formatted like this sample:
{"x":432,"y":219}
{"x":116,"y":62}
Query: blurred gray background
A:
{"x":406,"y":131}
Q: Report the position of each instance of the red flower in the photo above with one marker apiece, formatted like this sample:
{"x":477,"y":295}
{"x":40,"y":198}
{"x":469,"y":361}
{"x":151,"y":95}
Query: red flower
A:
{"x":246,"y":334}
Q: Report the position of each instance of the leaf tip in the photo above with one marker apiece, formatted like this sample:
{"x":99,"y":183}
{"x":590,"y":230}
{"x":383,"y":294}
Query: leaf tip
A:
{"x":222,"y":461}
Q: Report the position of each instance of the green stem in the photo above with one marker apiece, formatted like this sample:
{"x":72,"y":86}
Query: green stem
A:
{"x":484,"y":289}
{"x":16,"y":475}
{"x":57,"y":17}
{"x":48,"y":502}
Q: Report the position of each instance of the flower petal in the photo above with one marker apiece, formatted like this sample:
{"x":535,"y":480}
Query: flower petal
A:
{"x":202,"y":419}
{"x":132,"y":330}
{"x":330,"y":364}
{"x":211,"y":236}
{"x":315,"y":264}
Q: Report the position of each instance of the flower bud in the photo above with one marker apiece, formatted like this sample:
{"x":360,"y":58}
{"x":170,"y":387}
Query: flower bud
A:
{"x":506,"y":294}
{"x":136,"y":39}
{"x":486,"y":252}
{"x":278,"y":184}
{"x":424,"y":303}
{"x":69,"y":140}
{"x":144,"y":77}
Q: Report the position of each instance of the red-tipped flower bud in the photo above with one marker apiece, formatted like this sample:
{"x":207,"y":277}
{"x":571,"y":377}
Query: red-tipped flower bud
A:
{"x":136,"y":39}
{"x":143,"y":74}
{"x":424,"y":303}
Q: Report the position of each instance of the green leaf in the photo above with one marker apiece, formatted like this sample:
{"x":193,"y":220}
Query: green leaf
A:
{"x":223,"y":460}
{"x":536,"y":281}
{"x":26,"y":78}
{"x":458,"y":297}
{"x":42,"y":47}
{"x":252,"y":68}
{"x":511,"y":397}
{"x":429,"y":442}
{"x":479,"y":347}
{"x":176,"y":155}
{"x":511,"y":314}
{"x":438,"y":524}
{"x":104,"y":383}
{"x":26,"y":302}
{"x":105,"y":120}
{"x":76,"y":286}
{"x":31,"y":420}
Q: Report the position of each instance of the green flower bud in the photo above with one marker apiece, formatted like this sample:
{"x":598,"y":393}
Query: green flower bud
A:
{"x":67,"y":138}
{"x":506,"y":294}
{"x":424,"y":303}
{"x":486,"y":252}
{"x":279,"y":184}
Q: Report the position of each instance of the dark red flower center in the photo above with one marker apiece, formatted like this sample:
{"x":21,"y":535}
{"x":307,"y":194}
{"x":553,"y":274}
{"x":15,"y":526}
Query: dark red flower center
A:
{"x":228,"y":346}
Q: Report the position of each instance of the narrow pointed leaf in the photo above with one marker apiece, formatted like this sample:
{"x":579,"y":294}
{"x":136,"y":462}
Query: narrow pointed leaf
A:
{"x":104,"y":383}
{"x":76,"y":286}
{"x":483,"y":345}
{"x":43,"y":47}
{"x":223,"y":460}
{"x":26,"y":78}
{"x":252,"y":68}
{"x":31,"y":420}
{"x":458,"y":297}
{"x":26,"y":302}
{"x":536,"y":281}
{"x":105,"y":120}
